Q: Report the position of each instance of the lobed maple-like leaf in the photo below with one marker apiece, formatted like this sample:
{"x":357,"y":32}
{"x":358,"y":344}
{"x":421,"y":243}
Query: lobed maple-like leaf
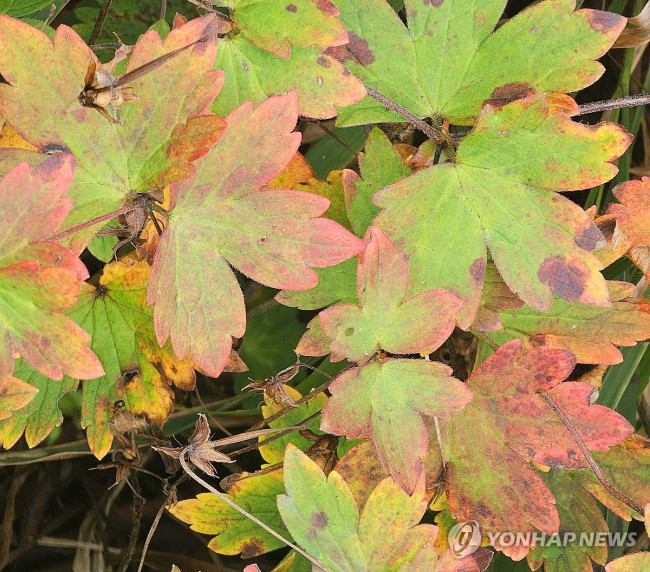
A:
{"x":386,"y":400}
{"x":385,"y":317}
{"x":138,"y":371}
{"x":589,"y":332}
{"x":252,"y":74}
{"x":637,"y":562}
{"x":632,"y":234}
{"x":15,"y":394}
{"x":627,"y":468}
{"x":443,"y":63}
{"x":40,"y":414}
{"x":501,"y":194}
{"x":579,"y":514}
{"x":321,"y":514}
{"x":490,"y":481}
{"x":276,"y":25}
{"x":158,"y":135}
{"x":39,"y":279}
{"x":221,"y":216}
{"x":233,"y":533}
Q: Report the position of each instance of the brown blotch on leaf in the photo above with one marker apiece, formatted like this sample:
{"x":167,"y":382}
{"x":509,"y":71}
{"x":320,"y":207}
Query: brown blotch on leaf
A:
{"x":590,"y":239}
{"x":291,"y":8}
{"x":319,"y":520}
{"x":566,"y":281}
{"x":323,"y":61}
{"x":477,"y":269}
{"x":604,"y":21}
{"x":356,"y":50}
{"x":510,"y":92}
{"x":434,"y":3}
{"x":252,"y":549}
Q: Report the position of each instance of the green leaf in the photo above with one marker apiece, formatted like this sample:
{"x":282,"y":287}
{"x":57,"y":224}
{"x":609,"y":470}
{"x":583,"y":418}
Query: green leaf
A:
{"x":276,"y":25}
{"x":40,"y":415}
{"x":138,"y":371}
{"x":233,"y":533}
{"x":631,"y":563}
{"x":41,"y":102}
{"x":252,"y":74}
{"x":40,"y":279}
{"x":590,"y":333}
{"x":380,"y":165}
{"x":579,"y":514}
{"x":501,"y":193}
{"x":20,"y":8}
{"x":374,"y":400}
{"x":271,"y":236}
{"x":322,"y":516}
{"x":443,"y":64}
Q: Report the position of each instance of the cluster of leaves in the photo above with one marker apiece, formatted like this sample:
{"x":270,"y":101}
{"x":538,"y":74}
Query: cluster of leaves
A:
{"x":469,"y":230}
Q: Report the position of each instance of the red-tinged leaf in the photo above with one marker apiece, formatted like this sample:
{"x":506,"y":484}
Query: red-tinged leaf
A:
{"x":579,"y":514}
{"x":41,"y":415}
{"x":626,"y":468}
{"x":14,"y":395}
{"x":589,"y":332}
{"x":361,"y":471}
{"x":385,"y":318}
{"x":138,"y":371}
{"x":322,"y":516}
{"x":433,"y":68}
{"x":492,"y":483}
{"x":252,"y":74}
{"x":385,"y":401}
{"x":40,"y":279}
{"x":220,"y":215}
{"x":632,"y":222}
{"x":501,"y":194}
{"x":41,"y":102}
{"x":639,"y":562}
{"x":232,"y":532}
{"x":275,"y":25}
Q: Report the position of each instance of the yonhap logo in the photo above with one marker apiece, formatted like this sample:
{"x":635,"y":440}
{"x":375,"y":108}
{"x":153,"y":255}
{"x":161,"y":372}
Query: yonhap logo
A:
{"x":464,"y":538}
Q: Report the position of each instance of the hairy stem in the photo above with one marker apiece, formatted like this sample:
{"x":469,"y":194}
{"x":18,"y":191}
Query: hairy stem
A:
{"x":245,"y":513}
{"x":99,"y":23}
{"x":423,"y":126}
{"x":84,"y":225}
{"x":606,"y":105}
{"x":592,"y":463}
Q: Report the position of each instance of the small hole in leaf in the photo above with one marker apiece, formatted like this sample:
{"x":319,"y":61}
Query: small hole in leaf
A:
{"x":349,"y":331}
{"x":319,"y":79}
{"x":261,"y":240}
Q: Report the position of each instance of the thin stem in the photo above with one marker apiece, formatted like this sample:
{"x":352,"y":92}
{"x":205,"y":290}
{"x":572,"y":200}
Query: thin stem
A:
{"x":245,"y":513}
{"x":618,"y":103}
{"x":138,"y":504}
{"x":414,"y":119}
{"x":84,"y":225}
{"x":592,"y":463}
{"x":99,"y":23}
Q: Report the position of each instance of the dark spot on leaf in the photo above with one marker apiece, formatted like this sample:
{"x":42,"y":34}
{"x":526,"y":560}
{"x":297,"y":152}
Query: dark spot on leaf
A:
{"x":358,"y":50}
{"x":477,"y":269}
{"x":323,"y":61}
{"x":119,"y":404}
{"x":349,"y":331}
{"x":591,"y":238}
{"x":261,"y":240}
{"x":44,"y":343}
{"x":327,"y":7}
{"x":565,"y":280}
{"x":291,"y":8}
{"x":510,"y":92}
{"x":245,"y":66}
{"x":319,"y":520}
{"x":434,"y":3}
{"x":603,"y":21}
{"x":533,"y":29}
{"x":251,"y":549}
{"x":173,"y":368}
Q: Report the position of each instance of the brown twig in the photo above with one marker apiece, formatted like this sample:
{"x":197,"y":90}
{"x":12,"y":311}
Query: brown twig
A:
{"x":607,"y":104}
{"x":422,"y":125}
{"x":592,"y":463}
{"x":138,"y":504}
